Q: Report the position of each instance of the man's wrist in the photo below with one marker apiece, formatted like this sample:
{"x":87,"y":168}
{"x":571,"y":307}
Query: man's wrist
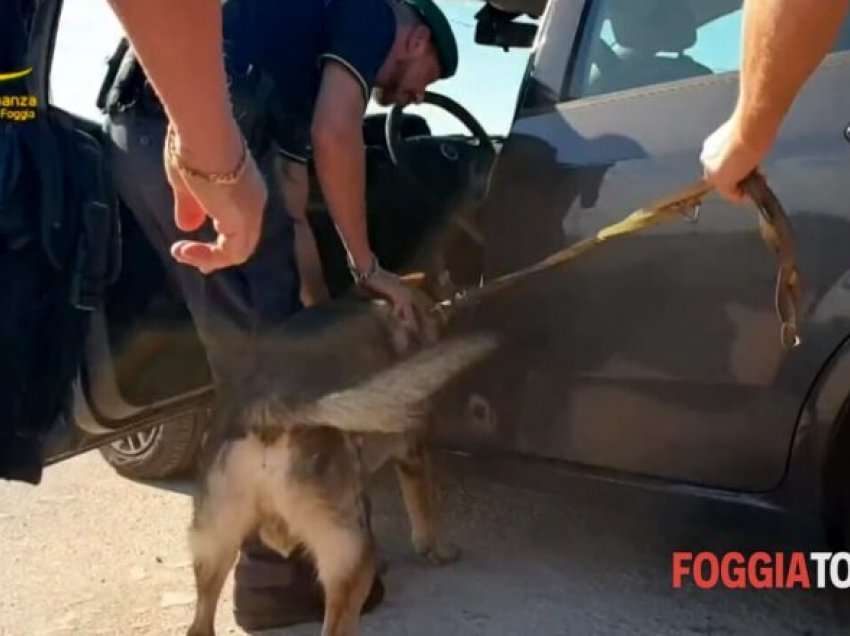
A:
{"x":361,"y":259}
{"x":187,"y":170}
{"x":754,"y":135}
{"x":363,"y":273}
{"x":214,"y":146}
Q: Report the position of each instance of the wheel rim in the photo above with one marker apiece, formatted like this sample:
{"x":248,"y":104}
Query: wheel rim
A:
{"x":137,"y":443}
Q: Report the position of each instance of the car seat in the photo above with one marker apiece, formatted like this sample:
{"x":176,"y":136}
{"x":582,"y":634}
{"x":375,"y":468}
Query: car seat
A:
{"x":646,"y":33}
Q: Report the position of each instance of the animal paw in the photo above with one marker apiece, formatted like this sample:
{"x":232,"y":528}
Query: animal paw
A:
{"x":437,"y":554}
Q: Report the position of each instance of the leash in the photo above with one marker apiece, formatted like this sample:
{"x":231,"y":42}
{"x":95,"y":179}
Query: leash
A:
{"x":774,"y":227}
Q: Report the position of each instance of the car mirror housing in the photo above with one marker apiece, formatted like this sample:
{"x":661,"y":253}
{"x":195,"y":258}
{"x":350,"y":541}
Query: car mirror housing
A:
{"x":498,"y":28}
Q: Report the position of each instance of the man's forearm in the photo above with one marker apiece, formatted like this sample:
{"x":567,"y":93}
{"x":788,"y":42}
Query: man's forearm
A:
{"x":180,"y":47}
{"x":340,"y":165}
{"x":783,"y":43}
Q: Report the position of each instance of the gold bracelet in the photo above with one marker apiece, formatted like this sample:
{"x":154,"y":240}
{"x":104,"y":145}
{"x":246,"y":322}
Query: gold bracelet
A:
{"x":217,"y":178}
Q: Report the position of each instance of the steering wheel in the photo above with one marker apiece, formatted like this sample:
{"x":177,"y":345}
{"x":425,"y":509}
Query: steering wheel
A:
{"x":393,"y":127}
{"x":450,"y":177}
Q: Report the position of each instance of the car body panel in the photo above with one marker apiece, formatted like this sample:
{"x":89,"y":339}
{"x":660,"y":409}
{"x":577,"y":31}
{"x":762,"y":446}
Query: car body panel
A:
{"x":660,"y":355}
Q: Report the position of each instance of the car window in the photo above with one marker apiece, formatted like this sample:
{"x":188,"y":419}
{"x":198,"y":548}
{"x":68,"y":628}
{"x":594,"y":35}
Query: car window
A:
{"x":487,"y":82}
{"x":629,"y":44}
{"x":87,"y":35}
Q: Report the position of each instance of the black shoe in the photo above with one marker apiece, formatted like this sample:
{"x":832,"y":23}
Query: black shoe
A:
{"x":271,"y":592}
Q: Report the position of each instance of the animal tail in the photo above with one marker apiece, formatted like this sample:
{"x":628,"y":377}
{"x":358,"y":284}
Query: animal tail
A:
{"x":393,"y":401}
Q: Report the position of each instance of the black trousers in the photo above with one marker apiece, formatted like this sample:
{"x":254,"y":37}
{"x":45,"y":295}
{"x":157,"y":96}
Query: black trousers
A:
{"x":229,"y":306}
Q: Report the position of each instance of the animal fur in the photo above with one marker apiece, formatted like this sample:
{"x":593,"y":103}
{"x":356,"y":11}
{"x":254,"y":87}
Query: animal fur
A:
{"x":333,"y":396}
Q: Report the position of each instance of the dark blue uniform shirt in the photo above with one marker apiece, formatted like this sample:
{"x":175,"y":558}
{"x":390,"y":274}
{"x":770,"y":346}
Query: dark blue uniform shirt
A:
{"x":291,"y":40}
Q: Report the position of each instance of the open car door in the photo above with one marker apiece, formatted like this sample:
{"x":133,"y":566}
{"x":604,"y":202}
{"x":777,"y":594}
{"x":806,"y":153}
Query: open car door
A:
{"x":59,"y":240}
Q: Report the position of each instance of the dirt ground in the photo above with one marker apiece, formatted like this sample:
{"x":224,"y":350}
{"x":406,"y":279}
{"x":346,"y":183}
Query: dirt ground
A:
{"x":88,"y":552}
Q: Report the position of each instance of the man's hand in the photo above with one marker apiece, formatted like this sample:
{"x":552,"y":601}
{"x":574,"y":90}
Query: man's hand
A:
{"x":728,"y":159}
{"x":236,"y":210}
{"x":410,"y":307}
{"x":770,"y":80}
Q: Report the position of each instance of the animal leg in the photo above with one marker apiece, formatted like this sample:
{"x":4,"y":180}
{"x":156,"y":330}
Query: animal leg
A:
{"x":417,"y":487}
{"x":222,"y":520}
{"x":212,"y":557}
{"x":345,"y":561}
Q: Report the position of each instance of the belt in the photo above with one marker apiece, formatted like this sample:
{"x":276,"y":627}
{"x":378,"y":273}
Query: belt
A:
{"x":774,"y":227}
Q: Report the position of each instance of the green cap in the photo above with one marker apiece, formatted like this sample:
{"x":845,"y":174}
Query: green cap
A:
{"x":441,"y":33}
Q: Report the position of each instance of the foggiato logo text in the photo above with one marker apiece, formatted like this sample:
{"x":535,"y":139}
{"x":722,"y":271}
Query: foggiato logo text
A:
{"x":762,"y":570}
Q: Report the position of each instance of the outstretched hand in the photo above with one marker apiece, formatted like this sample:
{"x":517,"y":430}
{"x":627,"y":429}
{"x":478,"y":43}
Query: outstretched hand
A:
{"x":236,"y":209}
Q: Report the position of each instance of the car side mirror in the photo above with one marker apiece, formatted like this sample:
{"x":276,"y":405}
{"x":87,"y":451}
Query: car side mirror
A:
{"x":497,"y":28}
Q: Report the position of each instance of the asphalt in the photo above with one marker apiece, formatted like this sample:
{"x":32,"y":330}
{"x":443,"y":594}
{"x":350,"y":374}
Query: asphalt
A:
{"x":88,"y":552}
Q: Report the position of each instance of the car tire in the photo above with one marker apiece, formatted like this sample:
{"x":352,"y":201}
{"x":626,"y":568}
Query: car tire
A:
{"x":166,"y":450}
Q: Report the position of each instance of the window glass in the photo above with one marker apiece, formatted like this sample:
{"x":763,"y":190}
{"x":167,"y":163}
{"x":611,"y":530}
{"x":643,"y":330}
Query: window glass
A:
{"x":87,"y":35}
{"x":488,"y":79}
{"x":629,"y":44}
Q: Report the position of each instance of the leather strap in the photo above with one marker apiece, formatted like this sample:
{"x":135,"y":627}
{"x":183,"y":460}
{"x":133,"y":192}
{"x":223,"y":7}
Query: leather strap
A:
{"x":776,"y":232}
{"x":774,"y":227}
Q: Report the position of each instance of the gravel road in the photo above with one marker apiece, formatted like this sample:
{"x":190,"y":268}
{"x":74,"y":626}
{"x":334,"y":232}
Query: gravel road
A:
{"x":90,"y":553}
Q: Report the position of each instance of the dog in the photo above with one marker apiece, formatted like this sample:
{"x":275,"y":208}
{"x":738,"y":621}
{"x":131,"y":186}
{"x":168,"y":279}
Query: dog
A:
{"x":334,"y":394}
